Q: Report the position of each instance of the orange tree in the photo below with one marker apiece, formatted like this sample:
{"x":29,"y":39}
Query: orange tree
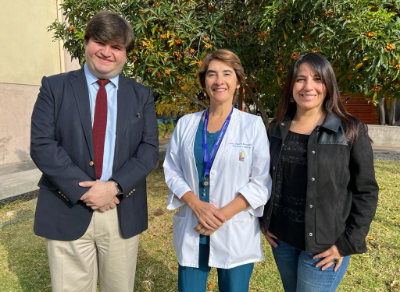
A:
{"x":172,"y":37}
{"x":360,"y":38}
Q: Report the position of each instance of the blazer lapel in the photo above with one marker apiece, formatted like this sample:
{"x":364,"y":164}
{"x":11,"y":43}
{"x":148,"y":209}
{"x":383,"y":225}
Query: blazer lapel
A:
{"x":81,"y":94}
{"x":124,"y":98}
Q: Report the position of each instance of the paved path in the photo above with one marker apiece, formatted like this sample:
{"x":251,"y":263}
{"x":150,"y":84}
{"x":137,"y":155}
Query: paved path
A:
{"x":20,"y":178}
{"x":380,"y":149}
{"x":386,"y":153}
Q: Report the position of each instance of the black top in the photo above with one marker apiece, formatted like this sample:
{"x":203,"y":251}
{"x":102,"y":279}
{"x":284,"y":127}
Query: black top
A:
{"x":287,"y":220}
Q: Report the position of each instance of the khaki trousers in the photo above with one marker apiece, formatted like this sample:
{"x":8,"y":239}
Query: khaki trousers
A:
{"x":100,"y":255}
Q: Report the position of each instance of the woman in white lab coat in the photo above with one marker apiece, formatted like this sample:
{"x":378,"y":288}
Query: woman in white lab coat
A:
{"x":217,"y":170}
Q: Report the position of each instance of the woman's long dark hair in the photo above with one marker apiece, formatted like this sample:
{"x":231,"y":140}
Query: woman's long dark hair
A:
{"x":332,"y":102}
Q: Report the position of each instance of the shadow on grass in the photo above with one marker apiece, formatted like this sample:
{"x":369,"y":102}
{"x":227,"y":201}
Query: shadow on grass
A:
{"x":27,"y":256}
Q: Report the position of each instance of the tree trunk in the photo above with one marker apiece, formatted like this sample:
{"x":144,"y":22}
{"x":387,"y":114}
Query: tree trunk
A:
{"x":392,"y":114}
{"x":381,"y":110}
{"x":240,"y":101}
{"x":264,"y":115}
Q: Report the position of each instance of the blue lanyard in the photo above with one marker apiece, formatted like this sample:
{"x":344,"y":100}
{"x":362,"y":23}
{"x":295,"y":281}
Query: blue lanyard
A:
{"x":208,"y":160}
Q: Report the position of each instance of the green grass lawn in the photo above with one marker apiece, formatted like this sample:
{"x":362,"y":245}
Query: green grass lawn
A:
{"x":24,"y":267}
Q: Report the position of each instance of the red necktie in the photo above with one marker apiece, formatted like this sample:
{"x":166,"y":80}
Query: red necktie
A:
{"x":99,"y":126}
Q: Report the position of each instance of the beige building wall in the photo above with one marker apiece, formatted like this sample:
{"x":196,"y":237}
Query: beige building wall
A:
{"x":27,"y":53}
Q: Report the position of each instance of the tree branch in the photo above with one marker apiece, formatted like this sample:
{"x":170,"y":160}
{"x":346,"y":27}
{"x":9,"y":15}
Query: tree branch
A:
{"x":195,"y":100}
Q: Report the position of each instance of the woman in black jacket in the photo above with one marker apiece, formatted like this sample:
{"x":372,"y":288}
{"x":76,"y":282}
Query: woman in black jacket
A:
{"x":324,"y":193}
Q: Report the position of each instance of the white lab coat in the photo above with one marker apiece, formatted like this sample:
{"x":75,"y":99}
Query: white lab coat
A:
{"x":238,"y":241}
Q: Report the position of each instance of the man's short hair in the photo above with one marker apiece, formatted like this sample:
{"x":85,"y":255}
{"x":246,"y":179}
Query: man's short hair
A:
{"x":108,"y":26}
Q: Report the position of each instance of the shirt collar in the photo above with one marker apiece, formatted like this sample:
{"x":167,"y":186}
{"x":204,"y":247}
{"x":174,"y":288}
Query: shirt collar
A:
{"x":92,"y":79}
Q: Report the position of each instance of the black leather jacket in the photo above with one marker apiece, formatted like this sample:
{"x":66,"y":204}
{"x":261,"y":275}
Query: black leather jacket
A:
{"x":342,"y":192}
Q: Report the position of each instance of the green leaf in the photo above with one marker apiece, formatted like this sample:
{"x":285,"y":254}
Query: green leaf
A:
{"x":318,"y":4}
{"x":154,"y":29}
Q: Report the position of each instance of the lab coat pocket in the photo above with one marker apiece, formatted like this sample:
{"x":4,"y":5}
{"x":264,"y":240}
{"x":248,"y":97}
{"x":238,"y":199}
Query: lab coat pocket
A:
{"x":245,"y":237}
{"x":179,"y":230}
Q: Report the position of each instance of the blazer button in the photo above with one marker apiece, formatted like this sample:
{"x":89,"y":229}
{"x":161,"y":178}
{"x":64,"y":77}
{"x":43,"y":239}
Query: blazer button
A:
{"x":91,"y":163}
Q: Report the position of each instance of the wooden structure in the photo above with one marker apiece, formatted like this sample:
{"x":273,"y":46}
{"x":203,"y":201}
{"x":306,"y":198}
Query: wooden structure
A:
{"x":361,"y":109}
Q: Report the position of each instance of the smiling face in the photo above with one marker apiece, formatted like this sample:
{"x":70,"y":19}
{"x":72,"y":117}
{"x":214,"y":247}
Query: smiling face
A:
{"x":308,"y":89}
{"x":220,"y":82}
{"x":105,"y":60}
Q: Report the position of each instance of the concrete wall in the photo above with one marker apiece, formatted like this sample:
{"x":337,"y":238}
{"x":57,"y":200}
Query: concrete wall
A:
{"x":385,"y":136}
{"x":16,"y":103}
{"x":27,"y":53}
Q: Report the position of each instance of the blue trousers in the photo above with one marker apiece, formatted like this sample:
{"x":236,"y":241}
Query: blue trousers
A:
{"x":298,"y":271}
{"x":229,"y":280}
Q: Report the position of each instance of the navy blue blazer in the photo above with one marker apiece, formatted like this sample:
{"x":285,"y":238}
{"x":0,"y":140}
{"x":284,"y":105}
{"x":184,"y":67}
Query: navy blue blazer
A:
{"x":62,"y":148}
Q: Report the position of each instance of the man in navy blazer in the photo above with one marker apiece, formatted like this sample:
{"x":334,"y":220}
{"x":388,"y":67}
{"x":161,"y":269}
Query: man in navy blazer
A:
{"x":91,"y":225}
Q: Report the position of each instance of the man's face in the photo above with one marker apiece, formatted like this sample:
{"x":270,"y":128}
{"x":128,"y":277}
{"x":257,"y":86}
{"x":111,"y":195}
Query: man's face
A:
{"x":105,"y":60}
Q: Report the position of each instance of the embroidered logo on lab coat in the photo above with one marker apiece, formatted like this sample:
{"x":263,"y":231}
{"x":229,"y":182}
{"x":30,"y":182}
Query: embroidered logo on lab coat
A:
{"x":241,"y":155}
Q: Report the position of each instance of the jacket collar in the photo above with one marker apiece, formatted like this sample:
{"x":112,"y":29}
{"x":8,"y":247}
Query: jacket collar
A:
{"x":331,"y":122}
{"x":81,"y":94}
{"x":126,"y":97}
